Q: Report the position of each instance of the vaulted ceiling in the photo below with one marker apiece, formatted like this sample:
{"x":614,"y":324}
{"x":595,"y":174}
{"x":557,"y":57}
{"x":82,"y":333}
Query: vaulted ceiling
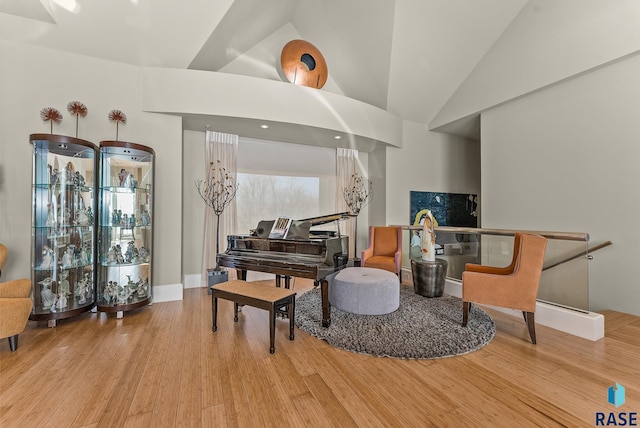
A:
{"x":404,"y":56}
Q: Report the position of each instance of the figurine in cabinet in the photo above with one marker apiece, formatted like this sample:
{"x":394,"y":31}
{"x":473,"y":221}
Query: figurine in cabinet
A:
{"x":81,"y":290}
{"x":54,"y":176}
{"x":89,"y":282}
{"x":107,"y":292}
{"x":63,"y":284}
{"x":61,"y":303}
{"x":70,"y":172}
{"x":132,"y":221}
{"x":133,"y":286}
{"x":145,"y":219}
{"x":143,"y":289}
{"x":125,"y":221}
{"x":115,"y":291}
{"x":67,"y":258}
{"x":47,"y":258}
{"x":84,"y":256}
{"x":143,"y":254}
{"x":47,"y":297}
{"x":111,"y":255}
{"x":78,"y":180}
{"x":65,"y":214}
{"x":114,"y":217}
{"x":128,"y":254}
{"x":82,"y":217}
{"x":118,"y":253}
{"x":123,"y":295}
{"x":122,"y":177}
{"x":51,"y":219}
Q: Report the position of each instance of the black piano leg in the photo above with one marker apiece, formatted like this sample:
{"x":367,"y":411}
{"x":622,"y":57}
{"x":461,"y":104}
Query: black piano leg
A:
{"x":287,"y":282}
{"x":242,"y":274}
{"x":326,"y":306}
{"x":278,"y":280}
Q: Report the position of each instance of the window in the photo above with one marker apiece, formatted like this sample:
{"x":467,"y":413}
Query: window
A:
{"x":283,"y":179}
{"x":266,"y":197}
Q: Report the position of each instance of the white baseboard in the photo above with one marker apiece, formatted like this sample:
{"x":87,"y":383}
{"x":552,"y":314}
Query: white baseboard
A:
{"x":167,"y":292}
{"x":589,"y":325}
{"x":192,"y":280}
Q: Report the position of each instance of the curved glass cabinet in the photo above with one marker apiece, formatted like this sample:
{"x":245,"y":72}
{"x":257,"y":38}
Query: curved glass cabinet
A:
{"x":125,"y":237}
{"x":63,"y":232}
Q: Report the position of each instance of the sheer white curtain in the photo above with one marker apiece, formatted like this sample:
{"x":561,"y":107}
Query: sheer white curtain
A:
{"x":346,"y":166}
{"x":222,"y":150}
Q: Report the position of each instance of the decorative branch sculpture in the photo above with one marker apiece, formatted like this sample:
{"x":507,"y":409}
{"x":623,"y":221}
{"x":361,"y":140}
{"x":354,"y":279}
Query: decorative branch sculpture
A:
{"x":357,"y":195}
{"x":217,"y":191}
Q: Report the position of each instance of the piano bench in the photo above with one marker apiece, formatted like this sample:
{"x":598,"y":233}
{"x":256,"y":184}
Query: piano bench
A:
{"x":256,"y":295}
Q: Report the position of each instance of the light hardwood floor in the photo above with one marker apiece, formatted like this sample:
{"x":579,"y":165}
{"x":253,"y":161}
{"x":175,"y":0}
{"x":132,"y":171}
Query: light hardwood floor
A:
{"x":163,"y":366}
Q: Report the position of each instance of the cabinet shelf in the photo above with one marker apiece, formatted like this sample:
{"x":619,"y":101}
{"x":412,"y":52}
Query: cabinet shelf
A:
{"x":63,"y":187}
{"x":123,"y":189}
{"x":122,"y":265}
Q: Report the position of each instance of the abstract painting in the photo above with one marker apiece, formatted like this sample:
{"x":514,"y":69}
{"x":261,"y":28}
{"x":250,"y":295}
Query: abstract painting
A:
{"x":449,"y":209}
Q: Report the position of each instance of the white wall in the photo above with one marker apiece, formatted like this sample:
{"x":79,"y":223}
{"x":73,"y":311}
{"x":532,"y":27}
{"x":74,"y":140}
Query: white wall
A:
{"x":429,"y":162}
{"x":193,"y":209}
{"x":33,"y":78}
{"x":170,"y":90}
{"x":566,"y":159}
{"x":549,"y":41}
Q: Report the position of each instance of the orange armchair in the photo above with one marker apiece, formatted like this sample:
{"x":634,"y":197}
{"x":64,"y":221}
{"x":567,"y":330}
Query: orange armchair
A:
{"x":15,"y":307}
{"x":385,"y":249}
{"x":514,"y":286}
{"x":3,"y":257}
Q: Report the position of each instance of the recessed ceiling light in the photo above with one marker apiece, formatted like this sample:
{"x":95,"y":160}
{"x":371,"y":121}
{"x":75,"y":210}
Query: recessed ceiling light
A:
{"x":337,"y":137}
{"x":264,"y":126}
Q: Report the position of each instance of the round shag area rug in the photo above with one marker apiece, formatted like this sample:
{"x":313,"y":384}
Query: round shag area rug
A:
{"x":421,"y":328}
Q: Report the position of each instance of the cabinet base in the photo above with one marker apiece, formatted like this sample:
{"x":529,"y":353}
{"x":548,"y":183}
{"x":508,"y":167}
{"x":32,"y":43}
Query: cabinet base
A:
{"x":124,"y":308}
{"x":53,"y":316}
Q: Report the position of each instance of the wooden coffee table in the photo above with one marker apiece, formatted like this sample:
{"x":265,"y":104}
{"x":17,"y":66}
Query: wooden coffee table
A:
{"x":256,"y":295}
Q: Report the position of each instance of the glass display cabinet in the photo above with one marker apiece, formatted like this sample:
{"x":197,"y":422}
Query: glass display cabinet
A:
{"x":63,"y":232}
{"x":125,"y":224}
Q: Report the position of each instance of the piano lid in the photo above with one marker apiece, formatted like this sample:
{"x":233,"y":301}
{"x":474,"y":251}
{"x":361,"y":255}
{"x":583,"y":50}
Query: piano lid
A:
{"x":317,"y":221}
{"x":299,"y":229}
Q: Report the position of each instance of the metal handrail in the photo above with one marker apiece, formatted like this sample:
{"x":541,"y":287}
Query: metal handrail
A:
{"x":567,"y":236}
{"x":586,"y":253}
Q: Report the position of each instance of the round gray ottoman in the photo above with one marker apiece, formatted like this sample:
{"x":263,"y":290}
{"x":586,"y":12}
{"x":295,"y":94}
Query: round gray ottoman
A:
{"x":365,"y":291}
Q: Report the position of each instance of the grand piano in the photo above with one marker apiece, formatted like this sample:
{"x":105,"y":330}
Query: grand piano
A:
{"x":303,"y":253}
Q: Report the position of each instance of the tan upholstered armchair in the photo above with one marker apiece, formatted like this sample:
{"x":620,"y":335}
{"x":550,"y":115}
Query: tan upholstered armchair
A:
{"x":3,"y":257}
{"x":514,"y":286}
{"x":15,"y":307}
{"x":385,"y":249}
